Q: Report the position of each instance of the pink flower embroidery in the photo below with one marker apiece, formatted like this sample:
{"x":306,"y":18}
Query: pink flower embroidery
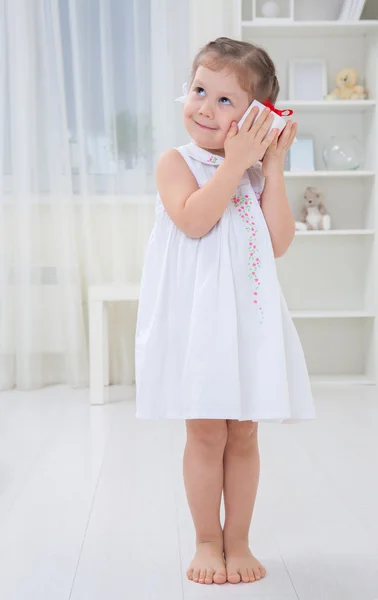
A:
{"x":243,"y":204}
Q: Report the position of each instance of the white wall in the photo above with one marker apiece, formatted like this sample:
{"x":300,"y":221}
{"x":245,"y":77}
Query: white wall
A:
{"x":210,"y":19}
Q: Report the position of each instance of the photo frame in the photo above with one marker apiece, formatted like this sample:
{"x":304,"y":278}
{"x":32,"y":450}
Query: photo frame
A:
{"x":302,"y":155}
{"x":307,"y":79}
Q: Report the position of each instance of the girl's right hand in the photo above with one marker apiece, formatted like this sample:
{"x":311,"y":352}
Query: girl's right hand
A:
{"x":247,"y":146}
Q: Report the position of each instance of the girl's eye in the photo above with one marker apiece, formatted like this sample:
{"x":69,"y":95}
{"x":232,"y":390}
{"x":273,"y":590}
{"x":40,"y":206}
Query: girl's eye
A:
{"x":225,"y":100}
{"x":199,"y":90}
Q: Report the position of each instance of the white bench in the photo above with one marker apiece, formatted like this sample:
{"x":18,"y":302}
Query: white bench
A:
{"x":98,"y":297}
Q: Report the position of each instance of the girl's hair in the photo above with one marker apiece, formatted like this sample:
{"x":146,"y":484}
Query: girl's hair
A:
{"x":254,"y":68}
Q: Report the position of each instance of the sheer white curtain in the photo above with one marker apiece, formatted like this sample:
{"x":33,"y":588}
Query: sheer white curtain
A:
{"x":86,"y":93}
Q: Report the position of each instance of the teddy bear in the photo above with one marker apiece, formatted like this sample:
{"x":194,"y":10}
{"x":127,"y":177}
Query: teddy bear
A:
{"x":313,"y":214}
{"x":347,"y":89}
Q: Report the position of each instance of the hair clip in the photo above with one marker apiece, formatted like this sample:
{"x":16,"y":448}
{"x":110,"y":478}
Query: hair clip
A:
{"x":185,"y":93}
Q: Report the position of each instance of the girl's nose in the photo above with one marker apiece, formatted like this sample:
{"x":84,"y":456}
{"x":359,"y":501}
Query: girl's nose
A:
{"x":206,"y":109}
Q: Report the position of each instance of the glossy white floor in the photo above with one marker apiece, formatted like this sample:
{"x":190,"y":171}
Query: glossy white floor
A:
{"x":92,"y":503}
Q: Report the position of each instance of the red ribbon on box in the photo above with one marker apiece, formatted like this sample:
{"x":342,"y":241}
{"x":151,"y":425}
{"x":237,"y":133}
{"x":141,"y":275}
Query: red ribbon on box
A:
{"x":282,"y":113}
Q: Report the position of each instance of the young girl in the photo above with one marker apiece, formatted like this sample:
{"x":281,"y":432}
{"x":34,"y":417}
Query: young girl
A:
{"x":215,"y":343}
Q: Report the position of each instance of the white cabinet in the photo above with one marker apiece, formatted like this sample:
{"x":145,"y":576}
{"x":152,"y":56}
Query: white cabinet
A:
{"x":330,"y":278}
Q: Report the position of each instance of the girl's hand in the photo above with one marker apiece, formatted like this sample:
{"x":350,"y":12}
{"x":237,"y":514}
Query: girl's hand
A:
{"x":247,"y":146}
{"x":274,"y":158}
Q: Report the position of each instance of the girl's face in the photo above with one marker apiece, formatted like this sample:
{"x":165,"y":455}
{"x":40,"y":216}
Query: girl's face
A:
{"x":215,"y":99}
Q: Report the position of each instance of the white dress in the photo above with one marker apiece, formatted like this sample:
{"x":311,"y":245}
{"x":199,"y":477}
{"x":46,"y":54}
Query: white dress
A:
{"x":214,"y":337}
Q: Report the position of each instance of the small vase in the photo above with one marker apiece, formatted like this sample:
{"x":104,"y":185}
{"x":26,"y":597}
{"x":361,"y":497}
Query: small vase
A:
{"x":343,"y":153}
{"x":270,"y":10}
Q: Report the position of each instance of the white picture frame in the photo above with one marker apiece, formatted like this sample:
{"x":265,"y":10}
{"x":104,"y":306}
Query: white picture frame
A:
{"x":302,"y":155}
{"x":307,"y":79}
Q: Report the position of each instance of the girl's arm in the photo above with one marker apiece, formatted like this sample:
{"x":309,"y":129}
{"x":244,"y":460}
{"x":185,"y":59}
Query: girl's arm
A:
{"x":277,"y":213}
{"x":196,"y":210}
{"x":274,"y":201}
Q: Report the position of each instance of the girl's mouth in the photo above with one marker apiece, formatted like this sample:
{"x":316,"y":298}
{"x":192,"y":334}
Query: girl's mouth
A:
{"x":204,"y":126}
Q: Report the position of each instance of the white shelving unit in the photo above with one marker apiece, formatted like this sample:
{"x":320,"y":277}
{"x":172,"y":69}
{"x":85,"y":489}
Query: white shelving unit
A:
{"x":335,"y":105}
{"x":330,"y":278}
{"x":331,"y":174}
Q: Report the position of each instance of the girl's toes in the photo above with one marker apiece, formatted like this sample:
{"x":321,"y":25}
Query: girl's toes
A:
{"x":209,"y":576}
{"x":244,"y":575}
{"x":233,"y":578}
{"x":196,"y":575}
{"x":251,"y":575}
{"x":189,"y":574}
{"x":220,"y":577}
{"x":202,"y":576}
{"x":262,"y":571}
{"x":257,"y":574}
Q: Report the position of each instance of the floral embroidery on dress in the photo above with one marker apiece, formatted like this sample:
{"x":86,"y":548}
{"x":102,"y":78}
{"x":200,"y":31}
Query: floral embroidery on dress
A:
{"x":212,"y":159}
{"x":243,"y":203}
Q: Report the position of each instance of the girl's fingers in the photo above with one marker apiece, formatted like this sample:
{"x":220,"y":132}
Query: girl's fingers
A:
{"x":262,"y":129}
{"x":286,"y":131}
{"x":250,"y":119}
{"x":288,"y":134}
{"x":270,"y":138}
{"x":293,"y":128}
{"x":276,"y":137}
{"x":293,"y":133}
{"x":262,"y":120}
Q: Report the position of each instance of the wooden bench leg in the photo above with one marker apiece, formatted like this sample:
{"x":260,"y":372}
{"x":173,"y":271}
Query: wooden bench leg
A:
{"x":105,"y":346}
{"x":98,"y":351}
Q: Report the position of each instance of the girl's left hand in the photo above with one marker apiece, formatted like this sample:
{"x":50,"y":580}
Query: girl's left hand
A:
{"x":274,"y":157}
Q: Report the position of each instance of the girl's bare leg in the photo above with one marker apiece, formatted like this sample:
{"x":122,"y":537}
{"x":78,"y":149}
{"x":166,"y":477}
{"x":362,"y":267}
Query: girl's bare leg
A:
{"x":241,"y":478}
{"x":203,"y":478}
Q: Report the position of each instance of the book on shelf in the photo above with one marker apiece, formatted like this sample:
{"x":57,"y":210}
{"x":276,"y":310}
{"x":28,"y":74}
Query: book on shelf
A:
{"x":351,"y":10}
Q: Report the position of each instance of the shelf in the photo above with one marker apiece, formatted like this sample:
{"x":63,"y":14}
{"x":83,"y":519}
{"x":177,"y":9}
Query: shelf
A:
{"x":333,"y":174}
{"x":335,"y":380}
{"x":331,"y":314}
{"x":328,"y":105}
{"x":328,"y":277}
{"x":317,"y":28}
{"x":334,"y":232}
{"x":329,"y":283}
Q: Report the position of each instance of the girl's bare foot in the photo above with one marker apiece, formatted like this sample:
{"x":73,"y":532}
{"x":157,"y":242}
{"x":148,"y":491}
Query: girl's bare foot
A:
{"x":208,"y":564}
{"x":241,"y":565}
